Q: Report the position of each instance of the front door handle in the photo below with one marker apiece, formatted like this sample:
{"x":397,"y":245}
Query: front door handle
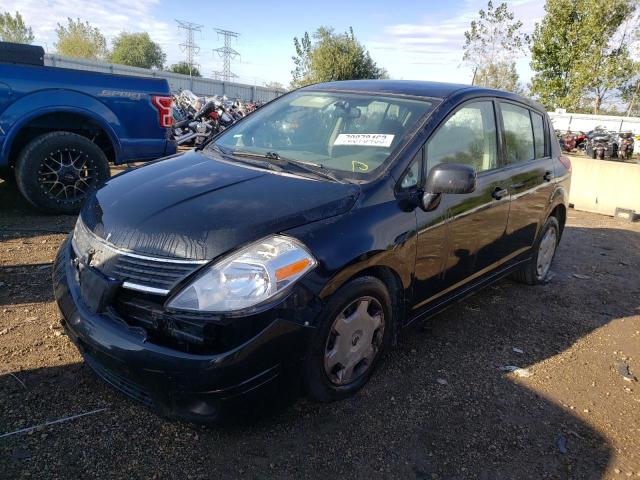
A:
{"x":499,"y":192}
{"x":548,"y":176}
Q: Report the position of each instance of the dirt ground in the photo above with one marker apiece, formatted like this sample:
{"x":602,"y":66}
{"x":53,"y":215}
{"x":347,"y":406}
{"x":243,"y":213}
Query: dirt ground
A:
{"x":438,"y":408}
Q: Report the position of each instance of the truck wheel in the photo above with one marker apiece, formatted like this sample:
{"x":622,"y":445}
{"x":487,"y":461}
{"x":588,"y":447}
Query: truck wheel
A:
{"x":56,"y":171}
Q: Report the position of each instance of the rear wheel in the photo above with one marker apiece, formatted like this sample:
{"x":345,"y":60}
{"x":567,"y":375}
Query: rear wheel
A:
{"x":354,"y":333}
{"x":56,"y":171}
{"x":535,"y":271}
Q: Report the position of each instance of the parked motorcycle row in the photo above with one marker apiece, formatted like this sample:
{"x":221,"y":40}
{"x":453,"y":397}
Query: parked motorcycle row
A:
{"x":599,"y":143}
{"x":197,"y":119}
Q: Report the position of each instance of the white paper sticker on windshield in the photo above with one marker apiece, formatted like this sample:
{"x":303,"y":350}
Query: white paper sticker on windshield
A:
{"x":367,"y":139}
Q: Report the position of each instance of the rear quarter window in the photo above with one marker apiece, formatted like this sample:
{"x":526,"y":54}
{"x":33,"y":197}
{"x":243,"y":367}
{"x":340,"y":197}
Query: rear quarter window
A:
{"x":538,"y":133}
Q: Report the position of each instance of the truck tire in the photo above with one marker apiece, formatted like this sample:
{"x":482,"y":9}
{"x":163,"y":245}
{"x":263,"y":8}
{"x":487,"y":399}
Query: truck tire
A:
{"x":56,"y":171}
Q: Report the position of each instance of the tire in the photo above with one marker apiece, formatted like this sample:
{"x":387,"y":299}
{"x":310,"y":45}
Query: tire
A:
{"x":50,"y":176}
{"x":324,"y":386}
{"x":530,"y":273}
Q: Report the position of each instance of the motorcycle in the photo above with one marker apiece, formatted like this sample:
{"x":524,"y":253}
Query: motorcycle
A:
{"x":568,"y":141}
{"x":626,"y":145}
{"x":198,"y":128}
{"x":601,"y":145}
{"x":581,"y":140}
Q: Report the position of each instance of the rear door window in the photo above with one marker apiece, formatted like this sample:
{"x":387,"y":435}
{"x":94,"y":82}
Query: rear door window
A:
{"x":518,"y":133}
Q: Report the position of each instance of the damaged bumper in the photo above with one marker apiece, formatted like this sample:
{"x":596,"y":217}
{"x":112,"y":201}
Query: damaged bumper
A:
{"x":175,"y":383}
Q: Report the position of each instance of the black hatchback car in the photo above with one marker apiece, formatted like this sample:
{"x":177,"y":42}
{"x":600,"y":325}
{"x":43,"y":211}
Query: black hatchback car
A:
{"x":302,"y":240}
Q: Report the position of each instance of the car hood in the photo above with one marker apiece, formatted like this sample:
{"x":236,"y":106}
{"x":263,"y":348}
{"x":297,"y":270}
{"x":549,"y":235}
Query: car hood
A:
{"x":197,"y":206}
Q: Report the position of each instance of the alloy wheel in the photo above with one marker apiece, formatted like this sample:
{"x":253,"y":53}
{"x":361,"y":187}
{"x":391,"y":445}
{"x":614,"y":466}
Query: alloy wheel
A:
{"x":66,"y":175}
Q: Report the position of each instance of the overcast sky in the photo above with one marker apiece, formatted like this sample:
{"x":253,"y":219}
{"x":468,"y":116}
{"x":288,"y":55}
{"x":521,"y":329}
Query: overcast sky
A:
{"x":412,"y":40}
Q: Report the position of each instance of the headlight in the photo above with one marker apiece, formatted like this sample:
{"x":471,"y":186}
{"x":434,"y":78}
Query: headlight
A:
{"x":247,"y":277}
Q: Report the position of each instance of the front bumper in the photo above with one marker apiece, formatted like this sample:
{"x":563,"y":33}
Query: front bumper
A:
{"x":176,"y":383}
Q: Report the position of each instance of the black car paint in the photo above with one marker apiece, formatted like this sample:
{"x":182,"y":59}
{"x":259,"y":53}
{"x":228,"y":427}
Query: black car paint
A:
{"x":201,"y":205}
{"x":198,"y":206}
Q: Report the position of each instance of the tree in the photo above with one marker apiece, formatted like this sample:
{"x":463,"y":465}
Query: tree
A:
{"x":492,"y":45}
{"x":274,"y":86}
{"x":183,"y":68}
{"x":137,"y":50}
{"x":13,"y":29}
{"x":502,"y":75}
{"x":81,"y":40}
{"x":581,"y":50}
{"x":331,"y":56}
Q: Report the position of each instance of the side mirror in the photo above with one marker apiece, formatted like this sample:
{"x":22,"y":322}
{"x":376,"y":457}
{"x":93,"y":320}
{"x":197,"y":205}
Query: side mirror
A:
{"x":451,"y":178}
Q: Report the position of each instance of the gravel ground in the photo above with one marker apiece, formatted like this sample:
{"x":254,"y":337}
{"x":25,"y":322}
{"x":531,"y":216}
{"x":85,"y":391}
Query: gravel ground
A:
{"x":439,"y":407}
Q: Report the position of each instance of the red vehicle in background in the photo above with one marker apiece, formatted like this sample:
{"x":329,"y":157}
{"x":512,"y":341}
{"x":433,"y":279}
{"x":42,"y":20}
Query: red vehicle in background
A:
{"x":581,"y":140}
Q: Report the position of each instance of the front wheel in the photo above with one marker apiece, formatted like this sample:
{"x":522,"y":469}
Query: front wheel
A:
{"x":56,"y":171}
{"x":351,"y":338}
{"x":535,"y":271}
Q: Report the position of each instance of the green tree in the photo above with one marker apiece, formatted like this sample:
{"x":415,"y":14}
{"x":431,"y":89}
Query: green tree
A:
{"x":580,"y":50}
{"x":492,"y":44}
{"x":78,"y":39}
{"x":332,"y":56}
{"x":183,"y":68}
{"x":13,"y":29}
{"x":137,"y":50}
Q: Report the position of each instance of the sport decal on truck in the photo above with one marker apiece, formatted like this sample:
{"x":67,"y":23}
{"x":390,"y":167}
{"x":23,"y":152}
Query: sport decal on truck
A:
{"x":121,"y":93}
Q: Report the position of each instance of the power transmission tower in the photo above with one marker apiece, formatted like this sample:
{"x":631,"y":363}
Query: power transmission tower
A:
{"x":189,"y":46}
{"x":227,"y":53}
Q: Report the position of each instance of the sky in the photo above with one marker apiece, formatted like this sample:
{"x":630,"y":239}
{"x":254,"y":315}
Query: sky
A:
{"x":412,"y":40}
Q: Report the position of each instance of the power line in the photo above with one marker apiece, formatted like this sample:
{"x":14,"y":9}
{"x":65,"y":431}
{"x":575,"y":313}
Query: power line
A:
{"x":189,"y":46}
{"x":227,"y":53}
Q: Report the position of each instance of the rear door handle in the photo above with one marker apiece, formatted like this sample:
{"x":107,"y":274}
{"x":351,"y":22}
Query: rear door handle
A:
{"x":498,"y":193}
{"x":548,"y":176}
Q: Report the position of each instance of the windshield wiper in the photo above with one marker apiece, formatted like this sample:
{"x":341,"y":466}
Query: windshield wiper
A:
{"x":244,"y":157}
{"x":310,"y":167}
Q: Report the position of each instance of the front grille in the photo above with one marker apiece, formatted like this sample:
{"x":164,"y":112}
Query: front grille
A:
{"x":137,"y":272}
{"x":123,"y":384}
{"x":150,"y":273}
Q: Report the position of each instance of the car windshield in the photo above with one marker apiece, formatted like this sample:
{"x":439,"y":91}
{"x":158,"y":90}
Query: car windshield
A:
{"x":345,"y":132}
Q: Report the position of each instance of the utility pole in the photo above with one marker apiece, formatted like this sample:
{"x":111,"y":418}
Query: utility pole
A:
{"x":227,"y":54}
{"x":189,"y":46}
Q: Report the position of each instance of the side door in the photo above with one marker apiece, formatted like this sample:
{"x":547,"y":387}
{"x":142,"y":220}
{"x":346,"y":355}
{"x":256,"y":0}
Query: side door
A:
{"x":527,"y":155}
{"x":473,"y":240}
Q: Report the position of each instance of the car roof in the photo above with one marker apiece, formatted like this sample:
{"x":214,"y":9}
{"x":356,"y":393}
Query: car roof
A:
{"x":418,"y":88}
{"x":413,"y":88}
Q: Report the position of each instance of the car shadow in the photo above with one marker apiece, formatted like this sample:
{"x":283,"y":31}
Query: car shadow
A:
{"x":32,"y":222}
{"x":439,"y":407}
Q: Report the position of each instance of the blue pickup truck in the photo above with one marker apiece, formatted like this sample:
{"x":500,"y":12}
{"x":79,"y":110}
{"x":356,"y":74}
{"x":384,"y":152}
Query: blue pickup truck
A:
{"x":60,"y":129}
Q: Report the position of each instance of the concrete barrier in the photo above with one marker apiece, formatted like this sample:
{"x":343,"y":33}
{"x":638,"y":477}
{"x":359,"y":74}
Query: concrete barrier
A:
{"x":601,"y":186}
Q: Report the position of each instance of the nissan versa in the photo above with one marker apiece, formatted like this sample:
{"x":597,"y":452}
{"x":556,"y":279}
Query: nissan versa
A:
{"x":302,"y":240}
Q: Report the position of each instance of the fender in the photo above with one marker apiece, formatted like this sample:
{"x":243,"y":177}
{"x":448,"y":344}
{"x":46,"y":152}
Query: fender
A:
{"x":43,"y":102}
{"x":559,"y":196}
{"x":359,"y":248}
